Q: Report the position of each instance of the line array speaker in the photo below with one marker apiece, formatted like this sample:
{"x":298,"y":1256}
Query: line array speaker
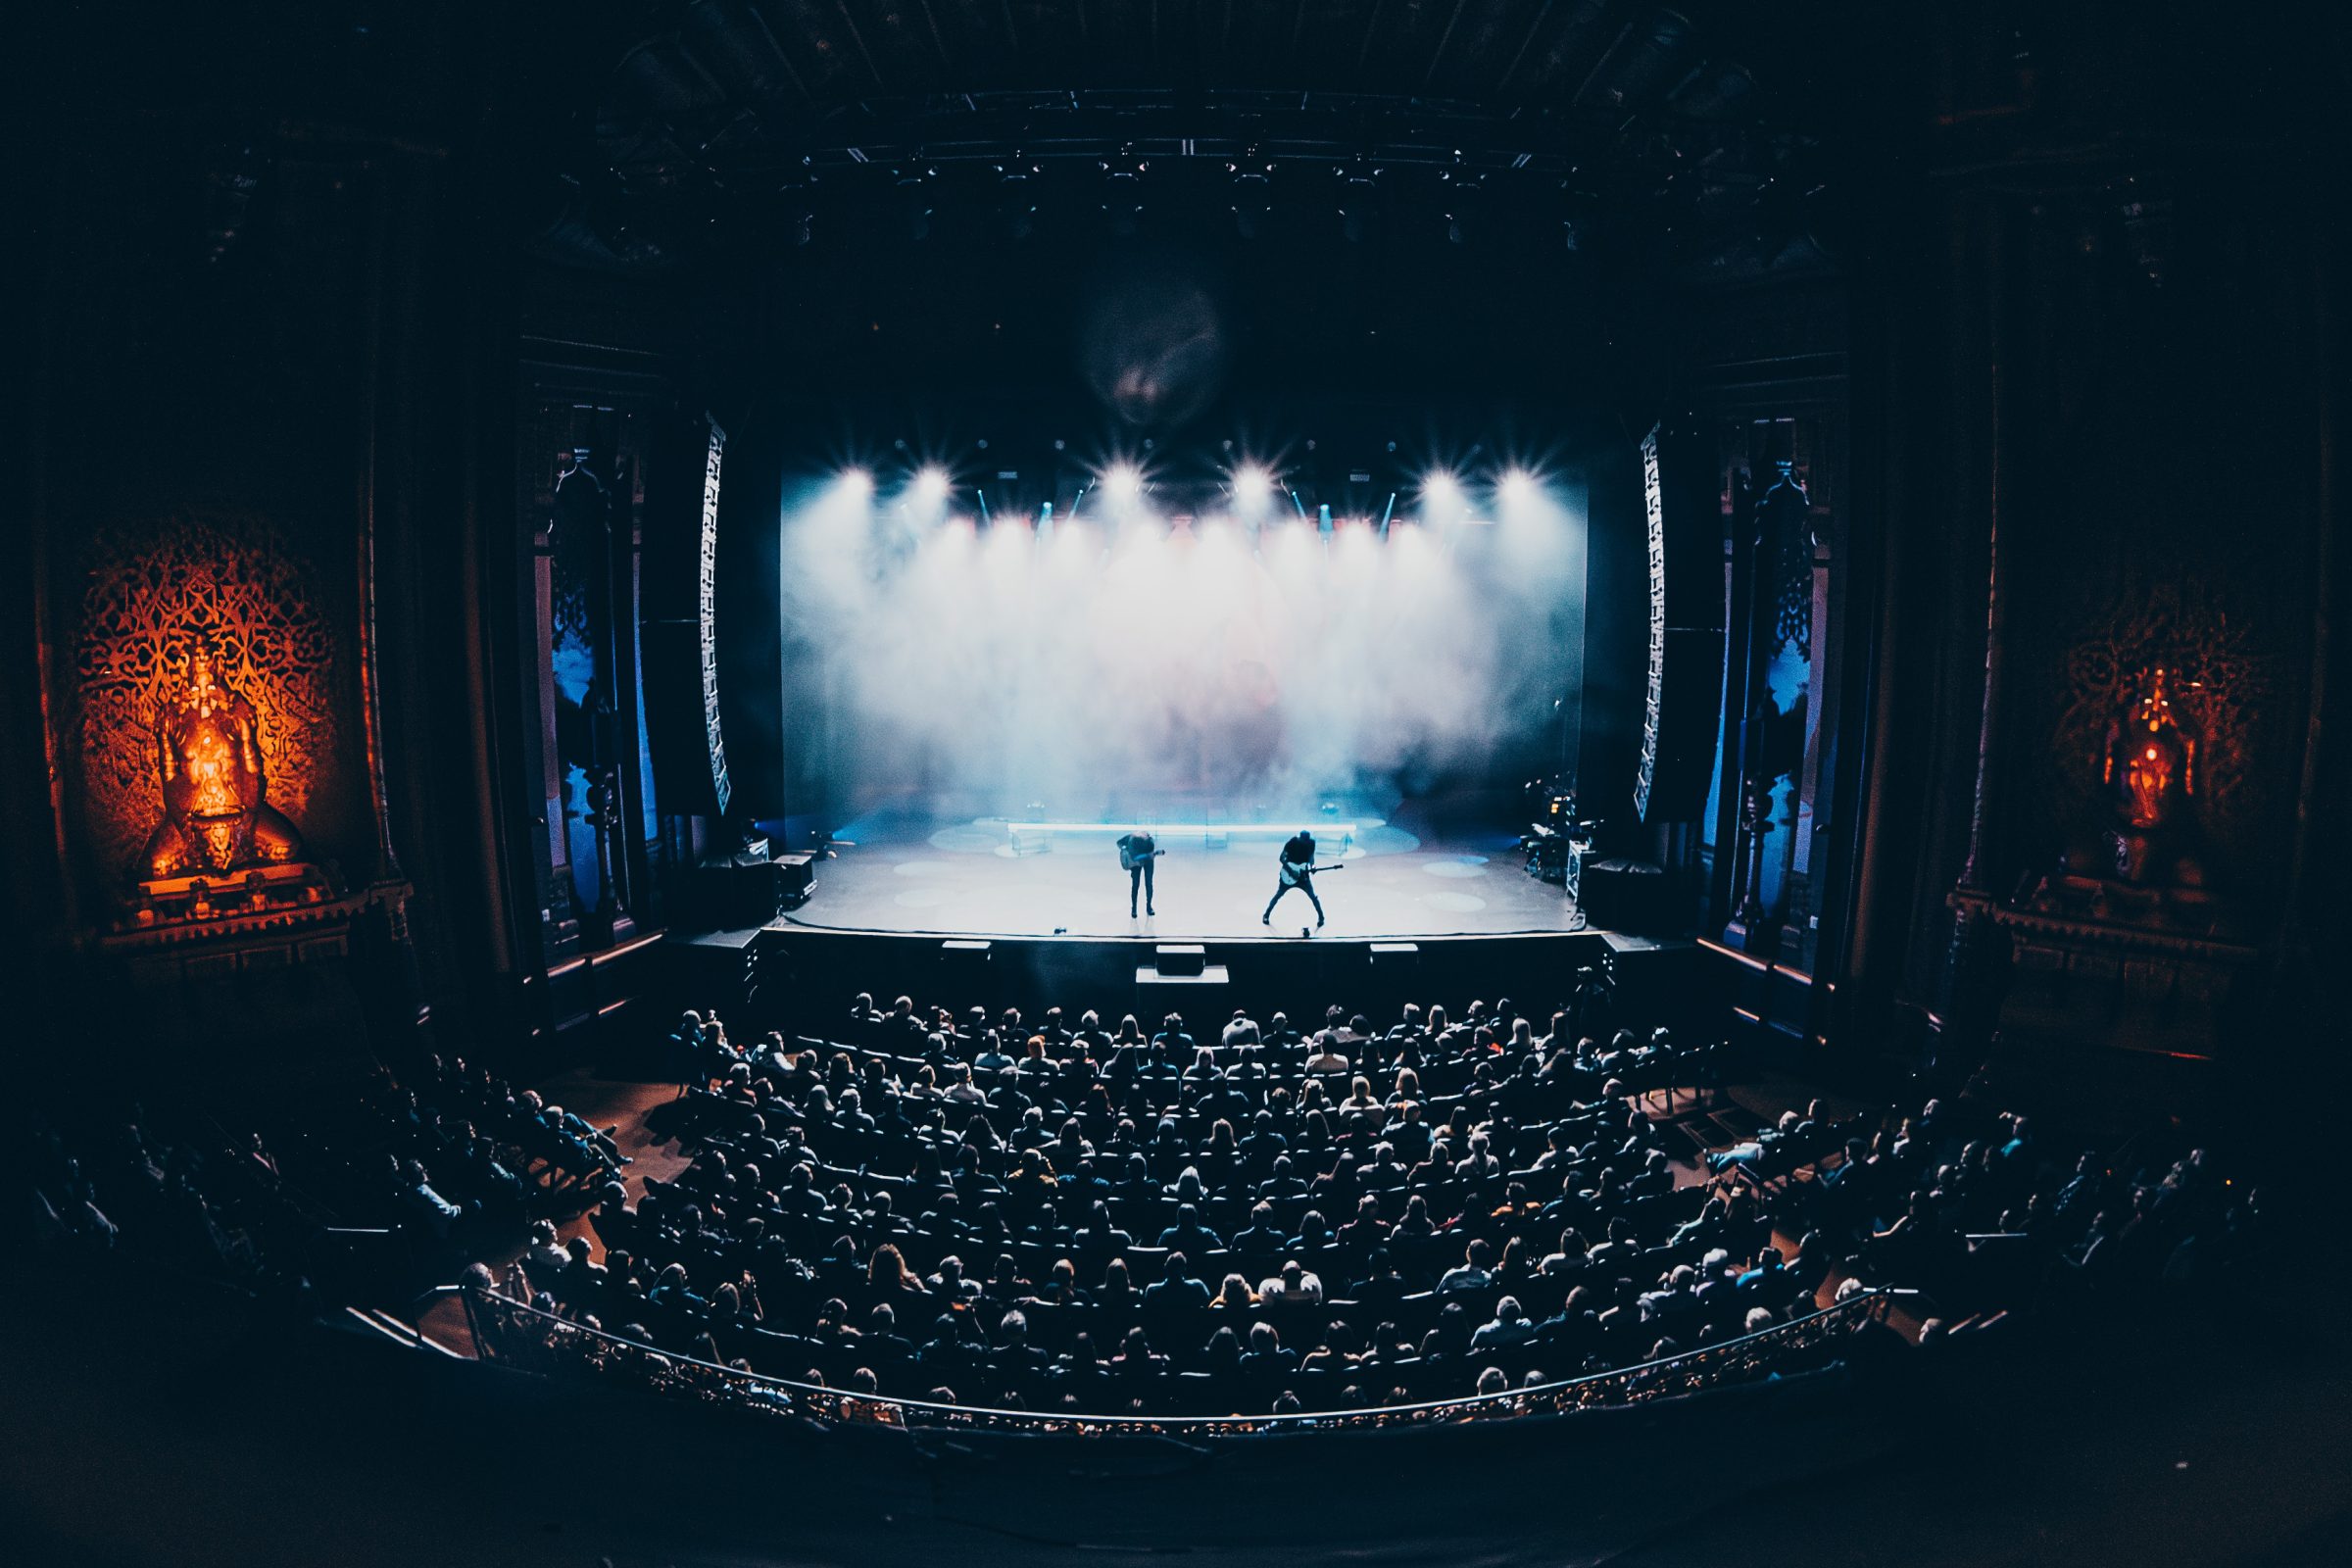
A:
{"x":1683,"y":698}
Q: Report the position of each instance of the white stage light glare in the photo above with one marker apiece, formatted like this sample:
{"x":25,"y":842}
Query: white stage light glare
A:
{"x":932,"y":485}
{"x":856,"y":481}
{"x":1251,"y":483}
{"x":1441,"y":494}
{"x":1517,"y":485}
{"x":1123,"y":481}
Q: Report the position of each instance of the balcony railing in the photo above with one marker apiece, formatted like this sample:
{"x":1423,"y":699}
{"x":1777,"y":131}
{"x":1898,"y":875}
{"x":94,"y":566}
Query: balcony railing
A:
{"x":511,"y":1332}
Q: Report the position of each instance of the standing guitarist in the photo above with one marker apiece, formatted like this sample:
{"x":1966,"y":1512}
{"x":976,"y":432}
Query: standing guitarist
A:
{"x":1136,"y":851}
{"x":1299,"y":871}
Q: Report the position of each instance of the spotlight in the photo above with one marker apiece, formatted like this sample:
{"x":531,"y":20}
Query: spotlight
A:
{"x":1441,"y":494}
{"x":1123,"y":481}
{"x":856,"y":481}
{"x":1517,"y":485}
{"x":931,"y":485}
{"x":1251,"y":483}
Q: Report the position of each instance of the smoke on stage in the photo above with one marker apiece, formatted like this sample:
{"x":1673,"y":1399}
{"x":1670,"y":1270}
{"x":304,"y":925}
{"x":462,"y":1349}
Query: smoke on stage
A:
{"x":1116,"y":659}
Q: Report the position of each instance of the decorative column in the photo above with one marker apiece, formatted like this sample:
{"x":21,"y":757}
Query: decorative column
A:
{"x":1972,"y":899}
{"x":1771,"y":737}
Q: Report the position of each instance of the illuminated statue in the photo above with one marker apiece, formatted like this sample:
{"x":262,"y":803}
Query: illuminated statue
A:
{"x":210,"y":757}
{"x":2151,"y":760}
{"x":2151,"y":778}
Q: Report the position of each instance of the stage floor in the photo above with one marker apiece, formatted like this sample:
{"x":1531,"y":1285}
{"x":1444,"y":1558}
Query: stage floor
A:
{"x":971,"y":878}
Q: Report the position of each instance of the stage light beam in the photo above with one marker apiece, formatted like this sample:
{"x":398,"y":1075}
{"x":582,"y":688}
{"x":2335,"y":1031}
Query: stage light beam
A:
{"x":1442,"y":497}
{"x":1123,"y":481}
{"x":931,"y":485}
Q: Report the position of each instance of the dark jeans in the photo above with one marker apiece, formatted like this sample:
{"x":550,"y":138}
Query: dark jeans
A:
{"x":1140,"y":875}
{"x":1306,"y":885}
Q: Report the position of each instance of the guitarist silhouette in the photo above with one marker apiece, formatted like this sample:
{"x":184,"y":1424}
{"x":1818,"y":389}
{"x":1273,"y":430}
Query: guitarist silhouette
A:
{"x":1299,"y":871}
{"x":1136,"y":851}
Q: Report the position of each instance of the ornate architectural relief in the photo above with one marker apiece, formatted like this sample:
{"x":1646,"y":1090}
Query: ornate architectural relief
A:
{"x":155,"y":590}
{"x":2218,"y":679}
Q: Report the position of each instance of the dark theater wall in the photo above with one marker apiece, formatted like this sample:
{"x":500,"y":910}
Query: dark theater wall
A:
{"x":276,"y":274}
{"x":2094,"y":418}
{"x":214,"y":411}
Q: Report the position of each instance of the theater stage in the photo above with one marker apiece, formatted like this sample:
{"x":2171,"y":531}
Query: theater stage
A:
{"x":990,"y":877}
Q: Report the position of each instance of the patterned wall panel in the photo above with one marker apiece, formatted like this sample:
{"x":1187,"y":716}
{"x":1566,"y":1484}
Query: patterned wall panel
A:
{"x":150,"y":591}
{"x":2221,"y":681}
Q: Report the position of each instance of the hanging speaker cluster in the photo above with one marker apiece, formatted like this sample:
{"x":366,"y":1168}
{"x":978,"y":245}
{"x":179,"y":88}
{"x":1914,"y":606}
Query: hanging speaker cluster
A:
{"x":680,"y":638}
{"x":1683,"y":690}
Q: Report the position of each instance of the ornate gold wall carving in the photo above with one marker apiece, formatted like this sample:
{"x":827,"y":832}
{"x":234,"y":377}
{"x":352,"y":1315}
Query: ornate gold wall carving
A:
{"x":2218,"y":680}
{"x":150,"y":589}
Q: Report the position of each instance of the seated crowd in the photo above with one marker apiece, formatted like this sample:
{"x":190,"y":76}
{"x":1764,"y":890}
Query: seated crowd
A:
{"x":1059,"y":1216}
{"x":460,"y":1164}
{"x":468,"y":1156}
{"x":195,"y":1204}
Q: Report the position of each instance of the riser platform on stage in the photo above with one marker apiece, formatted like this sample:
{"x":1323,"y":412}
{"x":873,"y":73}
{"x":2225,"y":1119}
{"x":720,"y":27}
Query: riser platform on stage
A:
{"x":804,"y":978}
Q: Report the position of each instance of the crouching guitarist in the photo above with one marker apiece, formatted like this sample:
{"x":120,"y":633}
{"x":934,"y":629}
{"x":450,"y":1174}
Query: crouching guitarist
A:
{"x":1299,"y":871}
{"x":1136,"y":851}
